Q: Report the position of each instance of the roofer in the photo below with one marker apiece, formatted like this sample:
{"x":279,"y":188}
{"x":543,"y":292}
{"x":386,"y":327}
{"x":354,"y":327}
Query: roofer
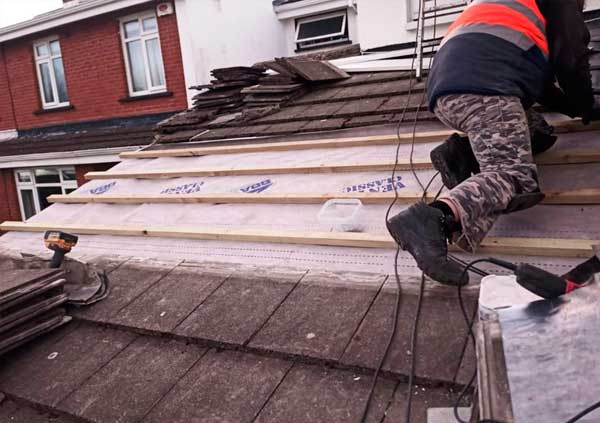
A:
{"x":498,"y":58}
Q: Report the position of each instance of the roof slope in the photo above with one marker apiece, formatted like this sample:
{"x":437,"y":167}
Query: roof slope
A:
{"x":95,"y":135}
{"x":298,"y":328}
{"x":238,"y":277}
{"x":365,"y":99}
{"x":204,"y":342}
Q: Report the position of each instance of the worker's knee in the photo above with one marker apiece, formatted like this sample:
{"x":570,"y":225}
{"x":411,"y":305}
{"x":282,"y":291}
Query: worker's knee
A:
{"x":523,"y":178}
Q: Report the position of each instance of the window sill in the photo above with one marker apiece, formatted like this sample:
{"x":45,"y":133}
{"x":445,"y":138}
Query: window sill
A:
{"x":54,"y":109}
{"x":323,"y":46}
{"x":442,"y":20}
{"x":146,"y":96}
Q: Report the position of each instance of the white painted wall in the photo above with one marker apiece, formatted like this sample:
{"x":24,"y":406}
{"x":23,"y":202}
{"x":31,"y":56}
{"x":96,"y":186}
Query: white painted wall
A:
{"x":386,"y":22}
{"x":221,"y":33}
{"x":592,"y":5}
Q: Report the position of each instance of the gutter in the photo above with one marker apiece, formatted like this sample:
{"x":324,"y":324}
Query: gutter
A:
{"x":103,"y":155}
{"x":64,"y":16}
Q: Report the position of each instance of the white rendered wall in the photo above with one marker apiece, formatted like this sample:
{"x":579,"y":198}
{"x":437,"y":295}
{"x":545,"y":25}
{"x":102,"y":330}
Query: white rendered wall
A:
{"x":386,"y":22}
{"x":592,"y":5}
{"x":221,"y":33}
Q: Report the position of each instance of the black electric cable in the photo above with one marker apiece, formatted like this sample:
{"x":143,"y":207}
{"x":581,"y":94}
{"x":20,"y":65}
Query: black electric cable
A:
{"x":584,"y":413}
{"x":415,"y":328}
{"x":396,"y":312}
{"x":469,"y":323}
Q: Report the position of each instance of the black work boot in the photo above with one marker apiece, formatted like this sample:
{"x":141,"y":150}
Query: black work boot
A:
{"x":541,"y":142}
{"x":455,"y":161}
{"x":421,"y":230}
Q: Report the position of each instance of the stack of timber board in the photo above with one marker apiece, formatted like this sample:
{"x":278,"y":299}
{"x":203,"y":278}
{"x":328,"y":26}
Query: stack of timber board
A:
{"x":30,"y":305}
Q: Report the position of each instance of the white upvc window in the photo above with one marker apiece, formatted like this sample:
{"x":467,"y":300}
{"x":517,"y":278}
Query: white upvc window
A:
{"x":442,"y":8}
{"x":321,"y":30}
{"x":143,"y":56}
{"x":51,"y":73}
{"x":35,"y":185}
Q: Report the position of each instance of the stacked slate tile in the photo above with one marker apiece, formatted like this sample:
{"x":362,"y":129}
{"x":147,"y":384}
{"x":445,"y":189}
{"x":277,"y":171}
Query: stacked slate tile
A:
{"x":31,"y":304}
{"x":225,"y":91}
{"x":293,"y":79}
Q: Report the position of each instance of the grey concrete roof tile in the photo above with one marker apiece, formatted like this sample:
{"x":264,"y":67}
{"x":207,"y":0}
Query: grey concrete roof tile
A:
{"x":223,"y":386}
{"x":170,"y":301}
{"x":442,"y":332}
{"x":316,"y":394}
{"x":127,"y":388}
{"x":126,"y":283}
{"x":423,"y":398}
{"x":48,"y":370}
{"x":320,"y":316}
{"x":239,"y":307}
{"x":11,"y":412}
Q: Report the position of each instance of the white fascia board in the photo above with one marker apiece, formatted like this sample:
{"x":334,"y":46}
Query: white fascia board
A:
{"x":104,"y":155}
{"x":371,"y":57}
{"x":310,"y":7}
{"x":8,"y":134}
{"x":64,"y":16}
{"x":382,"y":66}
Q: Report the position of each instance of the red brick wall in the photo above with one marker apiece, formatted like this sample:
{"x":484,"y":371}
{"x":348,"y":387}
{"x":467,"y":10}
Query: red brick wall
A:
{"x":95,"y":72}
{"x":9,"y":202}
{"x":81,"y":170}
{"x":7,"y":120}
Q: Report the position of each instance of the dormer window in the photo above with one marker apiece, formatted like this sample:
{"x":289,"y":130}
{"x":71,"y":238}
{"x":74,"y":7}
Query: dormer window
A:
{"x":322,"y":30}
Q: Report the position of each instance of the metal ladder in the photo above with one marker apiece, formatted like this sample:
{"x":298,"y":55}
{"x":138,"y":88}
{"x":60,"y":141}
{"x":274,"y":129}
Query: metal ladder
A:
{"x":430,"y":10}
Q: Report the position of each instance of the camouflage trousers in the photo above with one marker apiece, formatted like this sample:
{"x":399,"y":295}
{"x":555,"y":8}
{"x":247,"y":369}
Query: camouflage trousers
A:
{"x":498,"y":129}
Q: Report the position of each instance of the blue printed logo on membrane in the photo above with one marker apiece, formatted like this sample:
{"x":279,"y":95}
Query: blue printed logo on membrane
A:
{"x":257,"y":187}
{"x":183,"y":189}
{"x":103,"y":188}
{"x":380,"y":185}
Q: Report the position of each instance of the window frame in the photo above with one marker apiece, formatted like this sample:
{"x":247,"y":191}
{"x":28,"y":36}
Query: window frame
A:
{"x":49,"y":60}
{"x":451,"y":9}
{"x":319,"y":17}
{"x":143,"y":37}
{"x":33,"y":185}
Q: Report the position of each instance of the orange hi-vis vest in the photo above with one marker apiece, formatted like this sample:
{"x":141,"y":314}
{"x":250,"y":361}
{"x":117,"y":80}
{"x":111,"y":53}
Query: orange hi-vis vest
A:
{"x":517,"y":21}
